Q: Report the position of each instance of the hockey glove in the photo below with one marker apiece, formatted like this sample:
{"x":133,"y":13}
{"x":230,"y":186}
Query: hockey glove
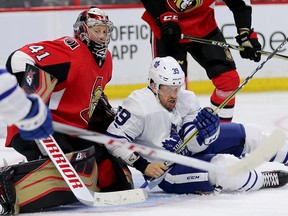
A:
{"x":249,"y":40}
{"x":102,"y":116}
{"x":173,"y":142}
{"x":170,"y":28}
{"x":38,"y":123}
{"x":208,"y":126}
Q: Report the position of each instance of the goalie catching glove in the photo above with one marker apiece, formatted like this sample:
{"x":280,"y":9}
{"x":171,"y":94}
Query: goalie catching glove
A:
{"x":248,"y":39}
{"x":102,"y":116}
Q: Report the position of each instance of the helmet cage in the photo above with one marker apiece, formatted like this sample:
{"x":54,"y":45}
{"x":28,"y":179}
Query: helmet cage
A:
{"x":92,"y":18}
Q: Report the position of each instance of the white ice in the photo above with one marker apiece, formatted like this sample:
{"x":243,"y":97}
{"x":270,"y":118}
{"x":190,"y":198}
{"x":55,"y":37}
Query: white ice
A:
{"x":268,"y":110}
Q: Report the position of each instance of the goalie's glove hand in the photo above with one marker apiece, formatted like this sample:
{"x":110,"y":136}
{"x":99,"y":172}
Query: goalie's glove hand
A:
{"x":170,"y":28}
{"x":173,"y":142}
{"x":208,"y":126}
{"x":249,"y":40}
{"x":38,"y":122}
{"x":102,"y":116}
{"x":104,"y":102}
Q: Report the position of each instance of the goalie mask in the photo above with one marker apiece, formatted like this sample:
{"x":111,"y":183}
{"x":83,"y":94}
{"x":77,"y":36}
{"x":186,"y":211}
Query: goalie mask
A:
{"x":94,"y":28}
{"x":165,"y":71}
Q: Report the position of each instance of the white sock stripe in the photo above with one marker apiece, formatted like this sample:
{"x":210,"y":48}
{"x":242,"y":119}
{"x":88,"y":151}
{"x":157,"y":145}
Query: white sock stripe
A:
{"x":252,"y":180}
{"x":255,"y":181}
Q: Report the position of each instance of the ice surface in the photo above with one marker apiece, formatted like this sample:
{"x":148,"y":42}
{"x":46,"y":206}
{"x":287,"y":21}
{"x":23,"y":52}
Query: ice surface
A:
{"x":268,"y":110}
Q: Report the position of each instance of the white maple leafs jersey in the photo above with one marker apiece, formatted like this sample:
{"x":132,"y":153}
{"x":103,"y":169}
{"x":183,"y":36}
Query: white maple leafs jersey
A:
{"x":14,"y":105}
{"x":143,"y":120}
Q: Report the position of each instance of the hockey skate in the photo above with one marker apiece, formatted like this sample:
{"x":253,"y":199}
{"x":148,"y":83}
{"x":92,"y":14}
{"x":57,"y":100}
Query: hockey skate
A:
{"x":274,"y":179}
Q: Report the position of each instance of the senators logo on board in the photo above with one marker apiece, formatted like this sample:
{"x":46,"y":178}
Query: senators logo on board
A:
{"x":184,"y":5}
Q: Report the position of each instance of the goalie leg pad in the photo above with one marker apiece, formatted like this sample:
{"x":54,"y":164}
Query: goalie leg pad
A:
{"x":114,"y":175}
{"x":124,"y":175}
{"x":38,"y":185}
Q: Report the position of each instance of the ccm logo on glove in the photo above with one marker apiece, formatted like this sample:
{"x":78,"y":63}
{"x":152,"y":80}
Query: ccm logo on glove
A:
{"x":169,"y":27}
{"x":169,"y":18}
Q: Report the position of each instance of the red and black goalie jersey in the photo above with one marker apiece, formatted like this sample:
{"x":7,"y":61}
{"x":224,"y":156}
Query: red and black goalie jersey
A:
{"x":80,"y":80}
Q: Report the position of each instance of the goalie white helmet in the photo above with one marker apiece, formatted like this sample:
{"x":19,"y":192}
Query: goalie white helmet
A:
{"x":86,"y":28}
{"x":166,"y":71}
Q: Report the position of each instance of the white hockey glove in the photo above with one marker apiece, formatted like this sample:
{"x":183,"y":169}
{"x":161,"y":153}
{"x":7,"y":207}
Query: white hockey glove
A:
{"x":38,"y":123}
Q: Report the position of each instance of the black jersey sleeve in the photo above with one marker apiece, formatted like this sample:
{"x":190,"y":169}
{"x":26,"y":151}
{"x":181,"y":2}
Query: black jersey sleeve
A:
{"x":242,"y":13}
{"x":154,"y":7}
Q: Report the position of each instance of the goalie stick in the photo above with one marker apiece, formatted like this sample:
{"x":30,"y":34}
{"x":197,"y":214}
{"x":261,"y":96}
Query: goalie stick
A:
{"x":261,"y":154}
{"x":227,"y":45}
{"x":79,"y":189}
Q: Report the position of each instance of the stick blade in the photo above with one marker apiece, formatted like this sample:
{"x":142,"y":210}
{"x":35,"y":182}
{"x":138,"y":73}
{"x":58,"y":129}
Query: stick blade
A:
{"x":261,"y":154}
{"x":119,"y":197}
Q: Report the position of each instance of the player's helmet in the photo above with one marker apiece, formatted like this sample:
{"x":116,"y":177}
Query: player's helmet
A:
{"x":166,"y":71}
{"x":92,"y":18}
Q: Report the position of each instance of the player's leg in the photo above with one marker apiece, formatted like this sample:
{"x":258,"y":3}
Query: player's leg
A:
{"x":221,"y":70}
{"x":182,"y":179}
{"x":231,"y":140}
{"x":250,"y":181}
{"x":255,"y":136}
{"x":239,"y":139}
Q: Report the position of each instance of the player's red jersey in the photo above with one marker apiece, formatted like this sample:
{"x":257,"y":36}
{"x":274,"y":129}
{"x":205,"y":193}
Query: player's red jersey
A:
{"x":196,"y":18}
{"x":75,"y":96}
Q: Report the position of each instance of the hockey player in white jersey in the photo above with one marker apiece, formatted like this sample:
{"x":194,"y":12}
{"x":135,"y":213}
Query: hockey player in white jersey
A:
{"x":164,"y":114}
{"x":27,"y":112}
